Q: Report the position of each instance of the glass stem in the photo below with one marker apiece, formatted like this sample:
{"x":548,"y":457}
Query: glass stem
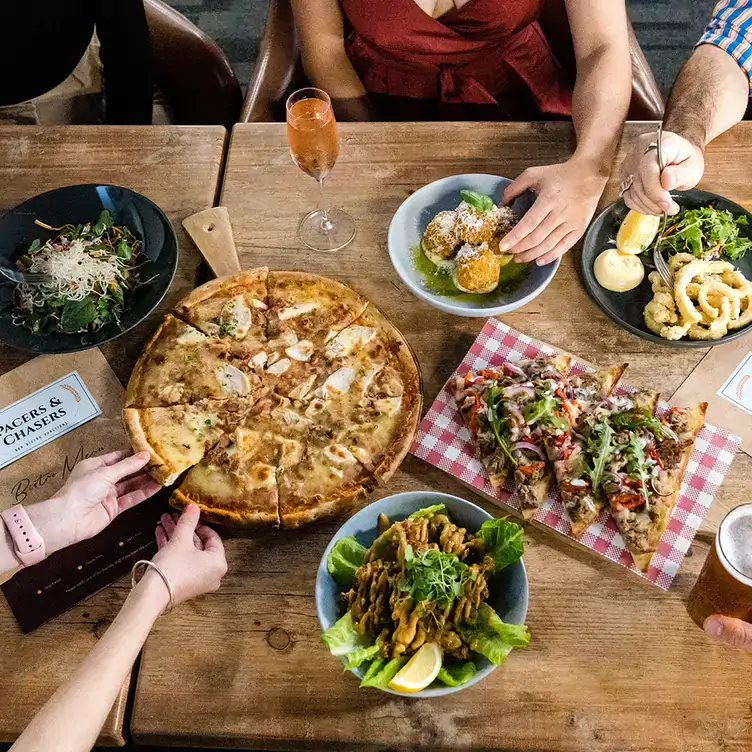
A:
{"x":326,"y":224}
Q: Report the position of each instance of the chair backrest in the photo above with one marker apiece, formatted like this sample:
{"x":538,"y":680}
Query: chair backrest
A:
{"x":278,"y":69}
{"x":191,"y":70}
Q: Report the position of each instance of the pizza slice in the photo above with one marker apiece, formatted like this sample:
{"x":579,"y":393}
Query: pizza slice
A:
{"x":532,"y":406}
{"x":177,"y":437}
{"x":181,"y":364}
{"x":236,"y":483}
{"x":370,"y":396}
{"x":315,"y":308}
{"x":229,"y":307}
{"x":644,"y":472}
{"x":588,"y":396}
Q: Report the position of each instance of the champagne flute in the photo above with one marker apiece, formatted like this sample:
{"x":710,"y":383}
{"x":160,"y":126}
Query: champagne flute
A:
{"x":312,"y":135}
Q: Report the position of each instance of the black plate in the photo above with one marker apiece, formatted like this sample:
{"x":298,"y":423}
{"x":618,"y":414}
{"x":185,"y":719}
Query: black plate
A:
{"x":79,"y":204}
{"x":625,"y":308}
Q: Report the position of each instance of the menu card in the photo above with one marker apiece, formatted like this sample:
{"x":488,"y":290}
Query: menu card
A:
{"x":723,"y":379}
{"x":57,"y":410}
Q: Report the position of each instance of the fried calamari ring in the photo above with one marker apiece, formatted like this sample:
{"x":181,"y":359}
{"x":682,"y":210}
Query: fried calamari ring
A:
{"x":717,"y":329}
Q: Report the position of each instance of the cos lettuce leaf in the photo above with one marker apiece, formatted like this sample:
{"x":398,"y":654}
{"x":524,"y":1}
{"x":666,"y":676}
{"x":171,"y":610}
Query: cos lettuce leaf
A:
{"x":376,"y":665}
{"x":503,"y":539}
{"x":354,"y":659}
{"x":343,"y":637}
{"x":491,"y":637}
{"x":384,"y":673}
{"x":428,"y":511}
{"x":344,"y":559}
{"x":456,"y":674}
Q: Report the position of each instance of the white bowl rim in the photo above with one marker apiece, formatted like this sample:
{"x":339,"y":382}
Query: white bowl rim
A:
{"x":439,"y":301}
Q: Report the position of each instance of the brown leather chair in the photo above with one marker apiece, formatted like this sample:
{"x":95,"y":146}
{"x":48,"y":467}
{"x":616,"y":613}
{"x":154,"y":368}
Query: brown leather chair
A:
{"x":278,"y":70}
{"x":191,"y":71}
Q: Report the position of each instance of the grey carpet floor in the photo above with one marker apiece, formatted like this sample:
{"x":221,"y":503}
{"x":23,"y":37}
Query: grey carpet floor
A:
{"x":666,"y":29}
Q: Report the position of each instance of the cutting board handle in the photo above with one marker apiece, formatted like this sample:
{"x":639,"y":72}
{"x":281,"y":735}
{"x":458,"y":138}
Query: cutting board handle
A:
{"x":211,"y":231}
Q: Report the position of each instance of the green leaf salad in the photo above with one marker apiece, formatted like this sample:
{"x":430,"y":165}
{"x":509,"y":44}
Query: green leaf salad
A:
{"x":92,"y":269}
{"x":423,"y":580}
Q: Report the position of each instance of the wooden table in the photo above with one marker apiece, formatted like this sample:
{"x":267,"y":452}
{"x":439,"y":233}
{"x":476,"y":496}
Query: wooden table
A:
{"x":179,"y":168}
{"x":614,"y":663}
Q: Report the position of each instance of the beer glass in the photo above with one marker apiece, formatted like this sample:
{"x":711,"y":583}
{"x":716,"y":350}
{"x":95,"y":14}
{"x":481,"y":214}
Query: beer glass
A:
{"x":314,"y":146}
{"x":725,"y":582}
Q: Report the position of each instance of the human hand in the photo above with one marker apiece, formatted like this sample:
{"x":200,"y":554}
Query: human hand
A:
{"x":191,"y":556}
{"x":96,"y":492}
{"x":649,"y":191}
{"x":734,"y":632}
{"x":567,"y":196}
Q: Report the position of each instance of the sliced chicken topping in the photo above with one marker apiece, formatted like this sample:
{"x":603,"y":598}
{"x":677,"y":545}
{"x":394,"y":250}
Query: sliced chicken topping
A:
{"x":172,"y":393}
{"x":258,"y":361}
{"x":300,"y":309}
{"x":302,"y":350}
{"x":235,"y":318}
{"x":339,"y":382}
{"x":232,"y":380}
{"x":279,"y":367}
{"x":349,"y":339}
{"x":316,"y":406}
{"x":190,"y":336}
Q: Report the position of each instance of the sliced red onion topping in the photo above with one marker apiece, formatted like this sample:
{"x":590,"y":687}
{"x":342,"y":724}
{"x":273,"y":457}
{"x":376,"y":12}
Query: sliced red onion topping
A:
{"x":656,"y":486}
{"x":513,"y":369}
{"x":526,"y":445}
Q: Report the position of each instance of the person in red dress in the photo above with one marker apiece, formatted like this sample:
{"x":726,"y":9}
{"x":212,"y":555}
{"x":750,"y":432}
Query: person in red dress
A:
{"x":483,"y":60}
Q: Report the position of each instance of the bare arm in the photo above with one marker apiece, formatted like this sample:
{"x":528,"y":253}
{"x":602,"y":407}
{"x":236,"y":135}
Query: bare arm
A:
{"x":73,"y":717}
{"x":709,"y":96}
{"x":322,"y":39}
{"x":192,"y":558}
{"x":568,"y":193}
{"x":604,"y":78}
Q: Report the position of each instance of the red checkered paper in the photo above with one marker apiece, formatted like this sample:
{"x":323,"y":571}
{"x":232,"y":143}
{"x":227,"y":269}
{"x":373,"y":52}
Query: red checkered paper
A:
{"x":444,"y":441}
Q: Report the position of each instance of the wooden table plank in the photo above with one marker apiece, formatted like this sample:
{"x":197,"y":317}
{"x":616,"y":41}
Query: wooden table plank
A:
{"x":614,"y":663}
{"x":178,"y":168}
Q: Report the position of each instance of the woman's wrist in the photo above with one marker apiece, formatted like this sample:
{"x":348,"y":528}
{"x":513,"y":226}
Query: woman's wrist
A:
{"x":150,"y":593}
{"x":48,"y":524}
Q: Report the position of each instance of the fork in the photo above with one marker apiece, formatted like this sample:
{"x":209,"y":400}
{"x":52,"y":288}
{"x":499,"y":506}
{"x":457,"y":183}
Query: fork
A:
{"x":667,"y":275}
{"x":23,"y":278}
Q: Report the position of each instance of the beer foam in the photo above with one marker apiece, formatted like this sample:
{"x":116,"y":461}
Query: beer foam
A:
{"x":735,"y":540}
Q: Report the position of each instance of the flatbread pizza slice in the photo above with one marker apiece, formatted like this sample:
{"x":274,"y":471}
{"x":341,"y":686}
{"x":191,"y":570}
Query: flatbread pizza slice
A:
{"x":646,"y":469}
{"x":181,"y":364}
{"x":567,"y":449}
{"x":531,"y":405}
{"x":315,"y":308}
{"x":178,"y":437}
{"x":229,"y":307}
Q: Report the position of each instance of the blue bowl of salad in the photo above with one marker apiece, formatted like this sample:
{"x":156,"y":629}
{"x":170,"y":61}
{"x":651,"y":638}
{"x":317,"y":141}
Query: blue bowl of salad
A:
{"x":423,"y":594}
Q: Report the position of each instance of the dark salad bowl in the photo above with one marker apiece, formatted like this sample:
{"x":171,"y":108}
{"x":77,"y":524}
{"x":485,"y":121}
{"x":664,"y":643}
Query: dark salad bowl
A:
{"x":79,"y":204}
{"x":625,"y":308}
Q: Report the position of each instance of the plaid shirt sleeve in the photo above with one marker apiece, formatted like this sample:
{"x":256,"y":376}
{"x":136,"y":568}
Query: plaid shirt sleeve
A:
{"x":730,"y":28}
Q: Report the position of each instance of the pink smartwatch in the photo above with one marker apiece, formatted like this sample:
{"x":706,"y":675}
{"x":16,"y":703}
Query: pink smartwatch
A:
{"x":28,"y":544}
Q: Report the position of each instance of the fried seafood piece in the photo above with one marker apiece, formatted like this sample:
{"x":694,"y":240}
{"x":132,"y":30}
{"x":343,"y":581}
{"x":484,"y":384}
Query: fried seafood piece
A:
{"x":440,"y":239}
{"x":476,"y":269}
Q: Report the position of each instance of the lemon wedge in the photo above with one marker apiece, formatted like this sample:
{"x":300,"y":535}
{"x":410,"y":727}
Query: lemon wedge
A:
{"x":419,"y":671}
{"x":637,"y":232}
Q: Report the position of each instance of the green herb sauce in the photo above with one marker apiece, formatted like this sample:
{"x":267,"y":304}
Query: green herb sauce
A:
{"x":439,"y":281}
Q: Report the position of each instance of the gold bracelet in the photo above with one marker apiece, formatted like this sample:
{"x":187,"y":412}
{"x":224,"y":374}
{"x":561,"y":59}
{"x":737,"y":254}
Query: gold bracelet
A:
{"x":150,"y":564}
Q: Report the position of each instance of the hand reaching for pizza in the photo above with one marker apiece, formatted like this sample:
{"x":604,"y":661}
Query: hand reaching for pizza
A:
{"x":734,"y":632}
{"x":191,"y":556}
{"x":97,"y":491}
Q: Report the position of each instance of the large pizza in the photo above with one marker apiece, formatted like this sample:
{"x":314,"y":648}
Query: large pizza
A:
{"x":285,"y":396}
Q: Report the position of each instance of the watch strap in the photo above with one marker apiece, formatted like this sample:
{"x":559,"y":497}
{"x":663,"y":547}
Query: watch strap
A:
{"x":28,"y":544}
